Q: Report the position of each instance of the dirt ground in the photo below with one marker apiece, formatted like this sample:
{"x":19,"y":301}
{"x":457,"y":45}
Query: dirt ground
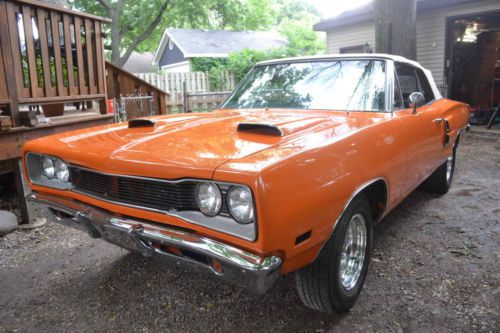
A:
{"x":436,"y":268}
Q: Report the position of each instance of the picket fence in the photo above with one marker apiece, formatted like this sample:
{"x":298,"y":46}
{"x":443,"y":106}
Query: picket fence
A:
{"x":195,"y":81}
{"x":195,"y":102}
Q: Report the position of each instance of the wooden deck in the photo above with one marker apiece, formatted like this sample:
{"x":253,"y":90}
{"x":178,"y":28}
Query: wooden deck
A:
{"x":51,"y":60}
{"x":11,"y":142}
{"x":49,"y":55}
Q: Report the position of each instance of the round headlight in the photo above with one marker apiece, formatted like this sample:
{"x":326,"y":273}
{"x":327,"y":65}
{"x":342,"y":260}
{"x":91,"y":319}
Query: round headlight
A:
{"x":240,"y":204}
{"x":209,"y":198}
{"x":48,"y":167}
{"x":62,"y":171}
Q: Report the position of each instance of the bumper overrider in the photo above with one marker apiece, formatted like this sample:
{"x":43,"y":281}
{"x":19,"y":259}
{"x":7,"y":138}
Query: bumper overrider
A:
{"x":227,"y":262}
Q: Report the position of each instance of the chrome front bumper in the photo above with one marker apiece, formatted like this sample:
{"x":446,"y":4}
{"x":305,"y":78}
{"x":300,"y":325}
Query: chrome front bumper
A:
{"x":227,"y":262}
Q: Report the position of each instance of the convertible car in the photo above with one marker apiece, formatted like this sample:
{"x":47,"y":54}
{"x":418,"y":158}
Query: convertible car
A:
{"x":290,"y":174}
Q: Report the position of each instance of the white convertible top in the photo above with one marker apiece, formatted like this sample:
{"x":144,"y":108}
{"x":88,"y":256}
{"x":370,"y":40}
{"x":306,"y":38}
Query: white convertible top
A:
{"x":384,"y":56}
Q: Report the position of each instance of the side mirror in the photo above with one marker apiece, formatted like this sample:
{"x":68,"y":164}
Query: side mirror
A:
{"x":416,"y":100}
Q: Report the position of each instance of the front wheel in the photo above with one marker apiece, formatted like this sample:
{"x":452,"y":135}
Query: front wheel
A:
{"x":333,"y":282}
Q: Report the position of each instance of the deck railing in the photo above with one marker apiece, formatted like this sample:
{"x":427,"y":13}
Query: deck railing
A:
{"x":49,"y":55}
{"x":121,"y":83}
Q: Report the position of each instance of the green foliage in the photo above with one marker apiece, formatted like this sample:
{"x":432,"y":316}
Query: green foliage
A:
{"x":213,"y":67}
{"x":211,"y":14}
{"x":204,"y":64}
{"x":302,"y":40}
{"x":293,"y":18}
{"x":241,"y":62}
{"x":295,"y":11}
{"x":256,"y":15}
{"x":135,"y":16}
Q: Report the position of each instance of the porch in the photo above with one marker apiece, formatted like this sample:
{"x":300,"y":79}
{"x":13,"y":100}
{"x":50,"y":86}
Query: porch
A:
{"x":51,"y":67}
{"x":54,"y":78}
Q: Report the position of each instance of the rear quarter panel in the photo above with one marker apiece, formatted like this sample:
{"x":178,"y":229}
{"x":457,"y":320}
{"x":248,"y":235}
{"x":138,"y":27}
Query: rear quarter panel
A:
{"x":457,"y":114}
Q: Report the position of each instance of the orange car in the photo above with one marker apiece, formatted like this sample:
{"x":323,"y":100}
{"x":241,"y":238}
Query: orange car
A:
{"x":289,"y":175}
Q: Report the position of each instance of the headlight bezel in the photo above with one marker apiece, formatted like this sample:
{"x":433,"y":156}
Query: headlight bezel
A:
{"x":225,"y":211}
{"x":37,"y":175}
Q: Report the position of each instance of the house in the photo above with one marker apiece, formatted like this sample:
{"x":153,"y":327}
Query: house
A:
{"x":178,"y":46}
{"x":458,"y":40}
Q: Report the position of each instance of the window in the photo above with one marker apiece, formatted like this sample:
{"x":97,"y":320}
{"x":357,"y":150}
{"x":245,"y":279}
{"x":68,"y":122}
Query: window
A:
{"x":353,"y":49}
{"x":408,"y":82}
{"x":364,"y":48}
{"x":411,"y":80}
{"x":351,"y":85}
{"x":425,"y":87}
{"x":170,"y":44}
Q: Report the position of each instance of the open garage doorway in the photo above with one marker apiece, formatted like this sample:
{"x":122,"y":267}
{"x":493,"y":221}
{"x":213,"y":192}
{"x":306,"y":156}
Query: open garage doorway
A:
{"x":473,"y":62}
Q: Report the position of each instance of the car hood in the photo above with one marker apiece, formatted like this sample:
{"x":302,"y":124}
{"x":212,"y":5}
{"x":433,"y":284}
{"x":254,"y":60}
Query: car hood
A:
{"x":179,"y":146}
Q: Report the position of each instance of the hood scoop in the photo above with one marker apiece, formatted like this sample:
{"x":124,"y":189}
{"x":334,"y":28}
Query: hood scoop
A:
{"x":260,"y":128}
{"x":140,"y":122}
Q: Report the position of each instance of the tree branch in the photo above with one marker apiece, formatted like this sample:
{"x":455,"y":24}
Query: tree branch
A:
{"x":140,"y":38}
{"x":105,"y":3}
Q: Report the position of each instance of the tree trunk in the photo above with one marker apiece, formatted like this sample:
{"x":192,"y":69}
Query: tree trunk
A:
{"x":119,"y":55}
{"x":395,"y":27}
{"x":115,"y":36}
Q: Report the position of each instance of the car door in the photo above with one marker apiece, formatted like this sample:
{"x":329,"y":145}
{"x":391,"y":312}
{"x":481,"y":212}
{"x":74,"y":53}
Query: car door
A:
{"x":433,"y":126}
{"x":421,"y":131}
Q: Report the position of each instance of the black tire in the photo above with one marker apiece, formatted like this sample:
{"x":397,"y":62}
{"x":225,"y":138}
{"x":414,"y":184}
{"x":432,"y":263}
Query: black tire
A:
{"x":320,"y":284}
{"x":440,"y":180}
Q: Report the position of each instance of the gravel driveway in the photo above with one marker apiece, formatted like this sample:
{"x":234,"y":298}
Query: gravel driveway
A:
{"x":436,"y":268}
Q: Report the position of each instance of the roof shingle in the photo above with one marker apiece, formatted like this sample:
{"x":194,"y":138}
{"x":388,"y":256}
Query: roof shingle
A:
{"x":218,"y":43}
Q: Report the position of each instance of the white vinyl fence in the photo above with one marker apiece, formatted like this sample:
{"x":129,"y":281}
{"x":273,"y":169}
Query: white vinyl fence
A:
{"x":195,"y":81}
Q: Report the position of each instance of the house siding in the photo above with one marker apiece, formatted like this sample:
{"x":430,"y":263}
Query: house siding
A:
{"x":180,"y":67}
{"x":349,"y":36}
{"x":170,"y":57}
{"x":431,"y":35}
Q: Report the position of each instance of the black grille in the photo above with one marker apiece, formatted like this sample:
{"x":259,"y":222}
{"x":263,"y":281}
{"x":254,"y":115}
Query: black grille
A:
{"x":147,"y":193}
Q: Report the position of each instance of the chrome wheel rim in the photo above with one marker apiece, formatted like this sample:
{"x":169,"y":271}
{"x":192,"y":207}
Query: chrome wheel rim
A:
{"x":353,"y":252}
{"x":449,"y":167}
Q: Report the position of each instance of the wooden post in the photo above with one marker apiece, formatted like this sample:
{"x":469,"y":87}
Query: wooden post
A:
{"x":44,"y":49}
{"x":61,"y":90}
{"x":8,"y":61}
{"x":23,"y":190}
{"x":101,"y":63}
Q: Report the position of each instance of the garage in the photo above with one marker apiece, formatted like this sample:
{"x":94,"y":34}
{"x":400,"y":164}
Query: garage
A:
{"x":474,"y":63}
{"x":457,"y":40}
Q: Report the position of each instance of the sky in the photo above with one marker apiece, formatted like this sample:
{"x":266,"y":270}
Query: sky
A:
{"x":330,"y":8}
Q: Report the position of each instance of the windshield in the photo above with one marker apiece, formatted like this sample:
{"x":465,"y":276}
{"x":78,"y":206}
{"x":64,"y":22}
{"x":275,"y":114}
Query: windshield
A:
{"x":353,"y":85}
